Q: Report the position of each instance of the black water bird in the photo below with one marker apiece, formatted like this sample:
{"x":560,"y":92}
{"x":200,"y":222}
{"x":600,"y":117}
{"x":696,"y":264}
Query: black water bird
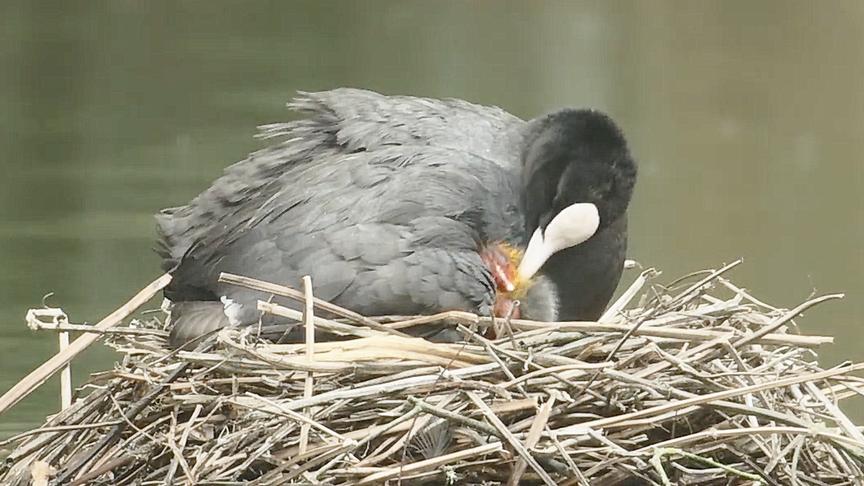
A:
{"x":404,"y":205}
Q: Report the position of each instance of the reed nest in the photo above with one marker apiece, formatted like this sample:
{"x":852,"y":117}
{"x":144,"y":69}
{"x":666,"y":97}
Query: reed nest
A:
{"x":693,"y":382}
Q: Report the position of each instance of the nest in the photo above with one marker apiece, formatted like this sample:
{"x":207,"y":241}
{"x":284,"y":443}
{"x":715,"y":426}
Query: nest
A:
{"x":695,"y":382}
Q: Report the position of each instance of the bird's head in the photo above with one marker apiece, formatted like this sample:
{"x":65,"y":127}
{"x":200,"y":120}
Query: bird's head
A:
{"x":578,"y":176}
{"x":502,"y":260}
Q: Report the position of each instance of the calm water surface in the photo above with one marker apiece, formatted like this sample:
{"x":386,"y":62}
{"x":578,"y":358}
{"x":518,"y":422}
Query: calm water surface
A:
{"x":747,"y":118}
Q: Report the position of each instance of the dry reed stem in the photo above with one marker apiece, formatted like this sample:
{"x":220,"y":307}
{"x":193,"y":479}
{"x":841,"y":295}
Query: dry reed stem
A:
{"x":694,"y":382}
{"x":267,"y":287}
{"x":47,"y":369}
{"x":309,"y":324}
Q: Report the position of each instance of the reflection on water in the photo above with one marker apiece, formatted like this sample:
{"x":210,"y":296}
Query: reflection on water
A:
{"x":747,"y":119}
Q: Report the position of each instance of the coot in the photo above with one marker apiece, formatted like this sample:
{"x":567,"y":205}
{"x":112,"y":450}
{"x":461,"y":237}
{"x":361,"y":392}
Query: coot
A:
{"x":405,"y":205}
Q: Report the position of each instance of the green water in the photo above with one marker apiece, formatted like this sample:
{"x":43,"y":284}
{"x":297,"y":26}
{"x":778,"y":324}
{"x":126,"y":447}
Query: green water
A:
{"x":747,"y":118}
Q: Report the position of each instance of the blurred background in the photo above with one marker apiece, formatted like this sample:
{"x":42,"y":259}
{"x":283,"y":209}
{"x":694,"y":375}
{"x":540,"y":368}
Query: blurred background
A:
{"x":747,"y":119}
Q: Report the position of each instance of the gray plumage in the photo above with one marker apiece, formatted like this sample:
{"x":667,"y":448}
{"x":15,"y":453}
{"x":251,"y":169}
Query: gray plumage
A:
{"x":383,"y":200}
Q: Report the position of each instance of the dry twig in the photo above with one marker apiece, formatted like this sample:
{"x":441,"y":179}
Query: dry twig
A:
{"x":704,"y":384}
